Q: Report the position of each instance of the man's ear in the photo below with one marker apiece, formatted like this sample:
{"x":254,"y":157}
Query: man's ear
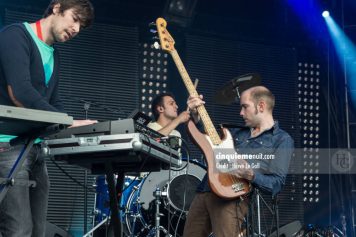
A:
{"x":262,"y":105}
{"x":56,"y":8}
{"x":160,"y":109}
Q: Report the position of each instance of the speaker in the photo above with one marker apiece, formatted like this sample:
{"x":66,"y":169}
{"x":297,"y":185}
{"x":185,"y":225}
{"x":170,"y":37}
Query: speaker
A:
{"x":54,"y":231}
{"x":288,"y":230}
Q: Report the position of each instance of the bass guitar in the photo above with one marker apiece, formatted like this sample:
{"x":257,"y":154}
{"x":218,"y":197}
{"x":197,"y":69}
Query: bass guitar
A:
{"x":223,"y":184}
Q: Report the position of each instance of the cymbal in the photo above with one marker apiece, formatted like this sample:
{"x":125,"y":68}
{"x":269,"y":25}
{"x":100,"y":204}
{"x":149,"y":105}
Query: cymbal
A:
{"x":231,"y":91}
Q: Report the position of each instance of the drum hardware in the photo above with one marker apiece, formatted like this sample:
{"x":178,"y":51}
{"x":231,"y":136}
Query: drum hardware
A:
{"x":138,"y":207}
{"x":136,"y":216}
{"x":158,"y":194}
{"x":176,"y":195}
{"x":91,"y":231}
{"x":97,"y":213}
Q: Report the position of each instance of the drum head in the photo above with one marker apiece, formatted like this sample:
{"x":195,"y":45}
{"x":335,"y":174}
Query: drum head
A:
{"x":180,"y":186}
{"x":181,"y":191}
{"x":178,"y":189}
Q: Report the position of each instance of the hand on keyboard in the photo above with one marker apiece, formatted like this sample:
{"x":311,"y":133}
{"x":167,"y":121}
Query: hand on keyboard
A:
{"x":78,"y":123}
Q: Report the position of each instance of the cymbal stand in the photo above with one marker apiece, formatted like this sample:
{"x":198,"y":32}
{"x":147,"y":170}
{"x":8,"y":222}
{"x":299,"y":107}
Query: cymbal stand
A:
{"x":157,"y":194}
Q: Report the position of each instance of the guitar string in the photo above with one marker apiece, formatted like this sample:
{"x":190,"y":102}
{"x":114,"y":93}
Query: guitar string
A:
{"x":201,"y":109}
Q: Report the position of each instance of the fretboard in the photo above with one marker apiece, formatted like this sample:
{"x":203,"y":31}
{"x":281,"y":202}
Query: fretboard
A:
{"x":204,"y":116}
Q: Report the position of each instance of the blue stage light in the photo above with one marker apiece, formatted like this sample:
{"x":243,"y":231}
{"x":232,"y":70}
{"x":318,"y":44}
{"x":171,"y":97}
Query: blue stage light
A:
{"x":346,"y":53}
{"x":325,"y":14}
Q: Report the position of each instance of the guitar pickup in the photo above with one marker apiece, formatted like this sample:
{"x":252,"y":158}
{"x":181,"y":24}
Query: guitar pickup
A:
{"x":237,"y":187}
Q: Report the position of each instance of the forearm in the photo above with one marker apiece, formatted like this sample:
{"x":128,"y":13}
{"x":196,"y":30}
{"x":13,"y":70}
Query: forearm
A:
{"x":195,"y":116}
{"x":166,"y":130}
{"x":268,"y":183}
{"x":30,"y":98}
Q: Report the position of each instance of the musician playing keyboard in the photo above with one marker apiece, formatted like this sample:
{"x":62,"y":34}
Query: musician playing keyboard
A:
{"x":211,"y":213}
{"x":29,"y":78}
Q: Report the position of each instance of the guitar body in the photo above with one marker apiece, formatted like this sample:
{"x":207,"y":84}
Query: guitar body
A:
{"x":224,"y":185}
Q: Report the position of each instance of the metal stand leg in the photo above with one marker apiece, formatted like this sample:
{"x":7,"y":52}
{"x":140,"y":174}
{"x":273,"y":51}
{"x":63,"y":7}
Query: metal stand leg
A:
{"x":90,"y":232}
{"x":10,"y":180}
{"x":115,"y":221}
{"x":250,"y":217}
{"x":85,"y":200}
{"x":276,"y":210}
{"x":273,"y":210}
{"x":157,"y":195}
{"x":258,"y":214}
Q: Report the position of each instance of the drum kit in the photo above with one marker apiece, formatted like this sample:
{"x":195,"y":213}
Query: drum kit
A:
{"x":165,"y":196}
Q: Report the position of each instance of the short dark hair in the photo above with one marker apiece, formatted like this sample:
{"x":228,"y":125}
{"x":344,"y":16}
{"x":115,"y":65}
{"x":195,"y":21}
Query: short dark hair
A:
{"x":158,"y":101}
{"x":83,"y":8}
{"x":261,"y":92}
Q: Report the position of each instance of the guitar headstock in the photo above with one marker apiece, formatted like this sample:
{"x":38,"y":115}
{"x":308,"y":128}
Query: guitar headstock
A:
{"x":166,"y":40}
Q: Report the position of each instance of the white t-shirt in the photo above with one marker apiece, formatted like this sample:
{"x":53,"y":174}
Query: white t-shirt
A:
{"x":156,"y":126}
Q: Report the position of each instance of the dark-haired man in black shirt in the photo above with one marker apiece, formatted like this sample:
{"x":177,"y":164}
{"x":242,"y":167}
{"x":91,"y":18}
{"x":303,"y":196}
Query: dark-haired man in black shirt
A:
{"x":29,"y":77}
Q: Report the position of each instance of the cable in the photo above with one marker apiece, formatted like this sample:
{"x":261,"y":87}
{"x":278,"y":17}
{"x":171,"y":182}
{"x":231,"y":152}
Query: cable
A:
{"x":142,"y":165}
{"x":169,"y":181}
{"x":69,"y":176}
{"x":185,"y":186}
{"x":186,"y":148}
{"x":184,"y":197}
{"x":165,"y":140}
{"x":145,"y":159}
{"x":74,"y":180}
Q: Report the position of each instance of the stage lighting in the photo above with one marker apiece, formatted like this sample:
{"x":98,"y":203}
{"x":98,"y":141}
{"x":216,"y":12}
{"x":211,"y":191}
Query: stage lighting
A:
{"x":325,"y":14}
{"x":308,"y":99}
{"x":179,"y":12}
{"x":153,"y":75}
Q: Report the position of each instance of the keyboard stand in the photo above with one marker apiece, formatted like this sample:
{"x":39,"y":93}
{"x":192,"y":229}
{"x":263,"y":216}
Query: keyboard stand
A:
{"x":113,"y":194}
{"x":6,"y":183}
{"x":27,"y":125}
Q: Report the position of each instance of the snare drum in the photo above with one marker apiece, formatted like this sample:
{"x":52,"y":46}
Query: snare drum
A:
{"x":178,"y":189}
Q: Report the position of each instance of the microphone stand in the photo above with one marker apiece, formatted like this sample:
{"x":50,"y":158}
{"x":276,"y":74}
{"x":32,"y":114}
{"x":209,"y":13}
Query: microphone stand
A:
{"x":86,"y":109}
{"x":274,"y":211}
{"x":88,"y":103}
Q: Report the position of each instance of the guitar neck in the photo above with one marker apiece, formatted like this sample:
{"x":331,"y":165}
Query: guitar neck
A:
{"x":208,"y":124}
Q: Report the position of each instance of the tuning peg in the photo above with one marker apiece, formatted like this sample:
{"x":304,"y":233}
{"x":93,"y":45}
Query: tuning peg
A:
{"x":152,"y":24}
{"x":155,"y":38}
{"x":156,"y":45}
{"x":153,"y":31}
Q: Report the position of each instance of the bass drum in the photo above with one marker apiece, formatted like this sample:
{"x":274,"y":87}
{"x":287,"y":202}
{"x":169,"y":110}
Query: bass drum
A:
{"x":178,"y":190}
